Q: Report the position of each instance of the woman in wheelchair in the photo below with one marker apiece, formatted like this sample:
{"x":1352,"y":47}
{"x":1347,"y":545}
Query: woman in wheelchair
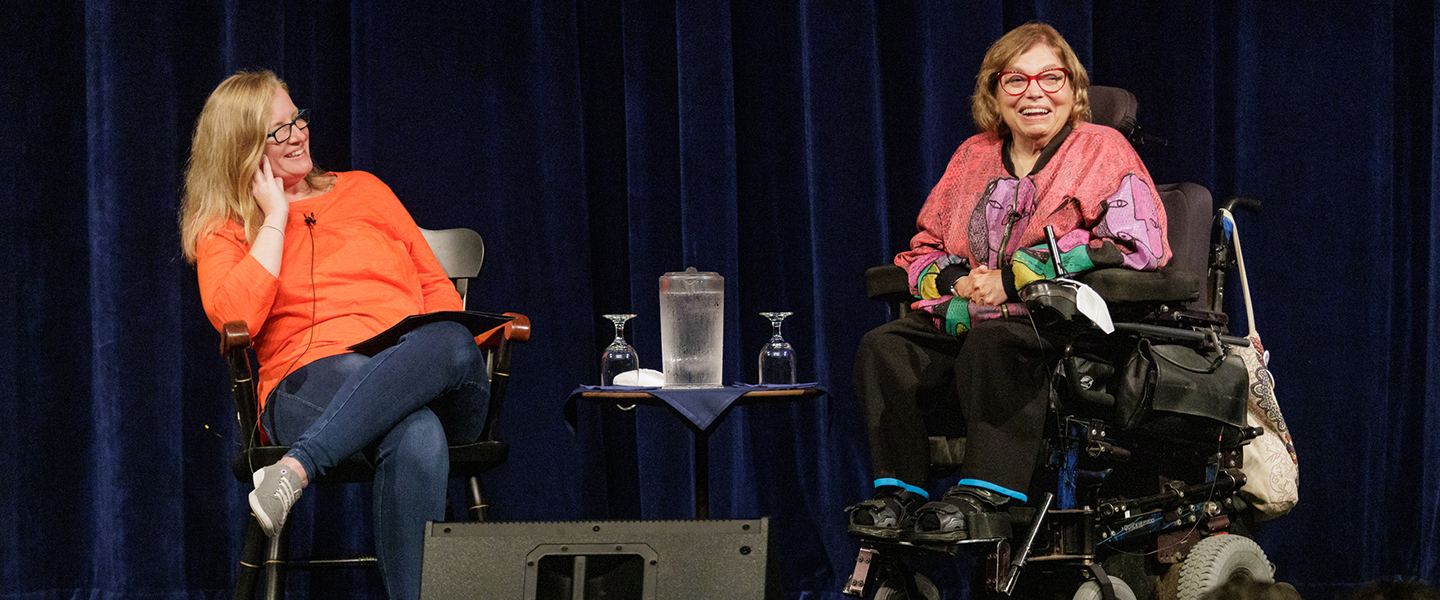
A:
{"x":969,"y":354}
{"x":314,"y":262}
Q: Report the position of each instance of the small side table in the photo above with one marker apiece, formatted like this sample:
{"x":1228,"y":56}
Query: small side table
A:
{"x":701,"y":434}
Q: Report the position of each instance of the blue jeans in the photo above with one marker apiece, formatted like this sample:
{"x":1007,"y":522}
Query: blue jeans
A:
{"x":400,"y":409}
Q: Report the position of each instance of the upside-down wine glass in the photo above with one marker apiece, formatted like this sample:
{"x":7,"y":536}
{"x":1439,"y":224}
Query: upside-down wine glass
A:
{"x":619,"y":356}
{"x":777,"y":357}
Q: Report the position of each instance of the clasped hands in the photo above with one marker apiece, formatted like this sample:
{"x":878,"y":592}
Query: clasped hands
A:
{"x":982,"y":286}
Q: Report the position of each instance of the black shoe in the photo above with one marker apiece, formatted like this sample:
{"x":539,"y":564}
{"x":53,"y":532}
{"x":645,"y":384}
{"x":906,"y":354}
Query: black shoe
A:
{"x":884,"y":517}
{"x":965,"y":512}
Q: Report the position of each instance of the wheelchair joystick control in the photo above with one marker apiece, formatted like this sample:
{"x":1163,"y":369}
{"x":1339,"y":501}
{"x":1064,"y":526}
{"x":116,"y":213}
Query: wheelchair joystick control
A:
{"x":1055,"y":301}
{"x":1061,"y":300}
{"x":1055,"y":251}
{"x":1051,"y":301}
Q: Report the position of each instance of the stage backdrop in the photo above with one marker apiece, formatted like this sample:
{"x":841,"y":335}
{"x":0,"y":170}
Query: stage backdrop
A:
{"x":599,"y":144}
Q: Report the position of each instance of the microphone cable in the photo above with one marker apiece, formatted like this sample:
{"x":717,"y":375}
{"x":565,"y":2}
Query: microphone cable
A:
{"x":310,"y":231}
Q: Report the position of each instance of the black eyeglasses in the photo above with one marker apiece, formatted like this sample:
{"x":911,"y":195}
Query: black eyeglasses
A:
{"x":282,"y":133}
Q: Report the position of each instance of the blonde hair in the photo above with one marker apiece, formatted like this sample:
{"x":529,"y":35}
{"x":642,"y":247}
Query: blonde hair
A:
{"x":225,"y":151}
{"x":985,"y":104}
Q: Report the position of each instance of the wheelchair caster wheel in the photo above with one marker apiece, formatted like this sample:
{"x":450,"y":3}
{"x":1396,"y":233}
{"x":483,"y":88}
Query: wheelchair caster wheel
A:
{"x":1218,"y":558}
{"x":894,"y":587}
{"x":1090,"y":590}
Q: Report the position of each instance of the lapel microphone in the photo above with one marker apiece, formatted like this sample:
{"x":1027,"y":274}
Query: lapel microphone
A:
{"x":310,"y":220}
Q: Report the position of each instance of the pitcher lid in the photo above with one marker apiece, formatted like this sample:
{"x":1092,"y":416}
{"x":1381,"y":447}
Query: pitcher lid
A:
{"x":691,"y":272}
{"x":691,"y":278}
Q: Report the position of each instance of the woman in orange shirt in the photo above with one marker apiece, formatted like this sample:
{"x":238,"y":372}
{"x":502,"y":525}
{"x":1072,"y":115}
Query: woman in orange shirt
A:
{"x":314,"y":262}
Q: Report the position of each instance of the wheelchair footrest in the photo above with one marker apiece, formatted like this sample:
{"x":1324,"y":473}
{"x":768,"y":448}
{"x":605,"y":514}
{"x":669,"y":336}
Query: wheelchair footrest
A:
{"x":986,"y":525}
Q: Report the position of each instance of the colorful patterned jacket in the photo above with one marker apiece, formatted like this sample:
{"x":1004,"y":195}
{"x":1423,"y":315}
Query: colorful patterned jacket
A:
{"x":1088,"y":183}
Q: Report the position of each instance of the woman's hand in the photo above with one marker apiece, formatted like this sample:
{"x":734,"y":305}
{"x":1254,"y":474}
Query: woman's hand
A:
{"x":985,"y":287}
{"x":964,"y":287}
{"x":269,"y":192}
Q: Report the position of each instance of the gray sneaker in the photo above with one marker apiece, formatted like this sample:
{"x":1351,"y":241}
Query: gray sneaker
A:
{"x":276,"y":490}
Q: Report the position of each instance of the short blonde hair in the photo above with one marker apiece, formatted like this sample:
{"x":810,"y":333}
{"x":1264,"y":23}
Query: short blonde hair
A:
{"x":985,"y":104}
{"x":225,"y":151}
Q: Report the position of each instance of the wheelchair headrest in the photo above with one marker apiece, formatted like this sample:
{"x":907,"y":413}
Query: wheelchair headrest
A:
{"x":1113,"y":107}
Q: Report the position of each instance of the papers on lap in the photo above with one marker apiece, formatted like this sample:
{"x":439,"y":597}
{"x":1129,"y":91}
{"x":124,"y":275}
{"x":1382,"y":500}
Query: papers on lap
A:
{"x":476,"y":322}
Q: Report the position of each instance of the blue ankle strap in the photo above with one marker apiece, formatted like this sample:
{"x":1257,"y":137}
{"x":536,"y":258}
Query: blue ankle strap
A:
{"x":902,"y":485}
{"x":994,"y":488}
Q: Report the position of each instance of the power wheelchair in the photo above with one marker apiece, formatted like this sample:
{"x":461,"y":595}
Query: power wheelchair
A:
{"x":1144,"y":432}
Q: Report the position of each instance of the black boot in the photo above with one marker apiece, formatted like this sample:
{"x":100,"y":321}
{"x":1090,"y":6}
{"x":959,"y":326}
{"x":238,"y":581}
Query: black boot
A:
{"x":965,"y":512}
{"x":884,"y":517}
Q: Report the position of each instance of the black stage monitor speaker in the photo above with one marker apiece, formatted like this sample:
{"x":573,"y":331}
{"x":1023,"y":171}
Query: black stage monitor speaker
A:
{"x":599,"y":560}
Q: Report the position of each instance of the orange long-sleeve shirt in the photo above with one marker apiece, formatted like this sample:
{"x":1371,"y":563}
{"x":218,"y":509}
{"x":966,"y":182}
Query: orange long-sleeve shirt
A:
{"x":371,"y":268}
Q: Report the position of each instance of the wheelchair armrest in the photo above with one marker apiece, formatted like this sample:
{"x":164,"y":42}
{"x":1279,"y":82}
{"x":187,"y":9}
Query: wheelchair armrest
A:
{"x":888,"y":283}
{"x":1128,"y":294}
{"x":1124,"y":286}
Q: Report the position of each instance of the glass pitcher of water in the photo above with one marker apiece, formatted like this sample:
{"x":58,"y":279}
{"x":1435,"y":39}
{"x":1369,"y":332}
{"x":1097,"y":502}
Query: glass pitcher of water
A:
{"x":692,"y":328}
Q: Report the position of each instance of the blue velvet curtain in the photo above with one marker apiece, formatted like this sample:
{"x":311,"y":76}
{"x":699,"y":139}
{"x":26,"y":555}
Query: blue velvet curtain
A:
{"x":598,"y":144}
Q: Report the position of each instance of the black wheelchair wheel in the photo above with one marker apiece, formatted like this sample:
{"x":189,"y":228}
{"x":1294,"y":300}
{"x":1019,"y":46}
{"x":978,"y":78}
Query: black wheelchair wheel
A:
{"x":1219,"y":558}
{"x":893,"y":587}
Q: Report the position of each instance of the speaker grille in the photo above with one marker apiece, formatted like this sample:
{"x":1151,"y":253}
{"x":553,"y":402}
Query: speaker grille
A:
{"x":650,"y":560}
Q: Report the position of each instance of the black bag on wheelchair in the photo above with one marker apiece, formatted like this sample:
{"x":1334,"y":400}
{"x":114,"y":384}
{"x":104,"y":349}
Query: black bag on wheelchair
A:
{"x":1178,"y":392}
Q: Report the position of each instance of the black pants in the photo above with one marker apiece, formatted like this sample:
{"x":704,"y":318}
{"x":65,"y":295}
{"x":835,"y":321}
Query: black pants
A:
{"x":992,"y":383}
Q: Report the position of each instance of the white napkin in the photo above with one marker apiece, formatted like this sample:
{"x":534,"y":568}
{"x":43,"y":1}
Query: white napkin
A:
{"x":641,"y":378}
{"x":1090,"y":304}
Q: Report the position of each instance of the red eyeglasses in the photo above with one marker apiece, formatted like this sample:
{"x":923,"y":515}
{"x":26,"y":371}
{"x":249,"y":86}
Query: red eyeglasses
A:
{"x":1049,"y":80}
